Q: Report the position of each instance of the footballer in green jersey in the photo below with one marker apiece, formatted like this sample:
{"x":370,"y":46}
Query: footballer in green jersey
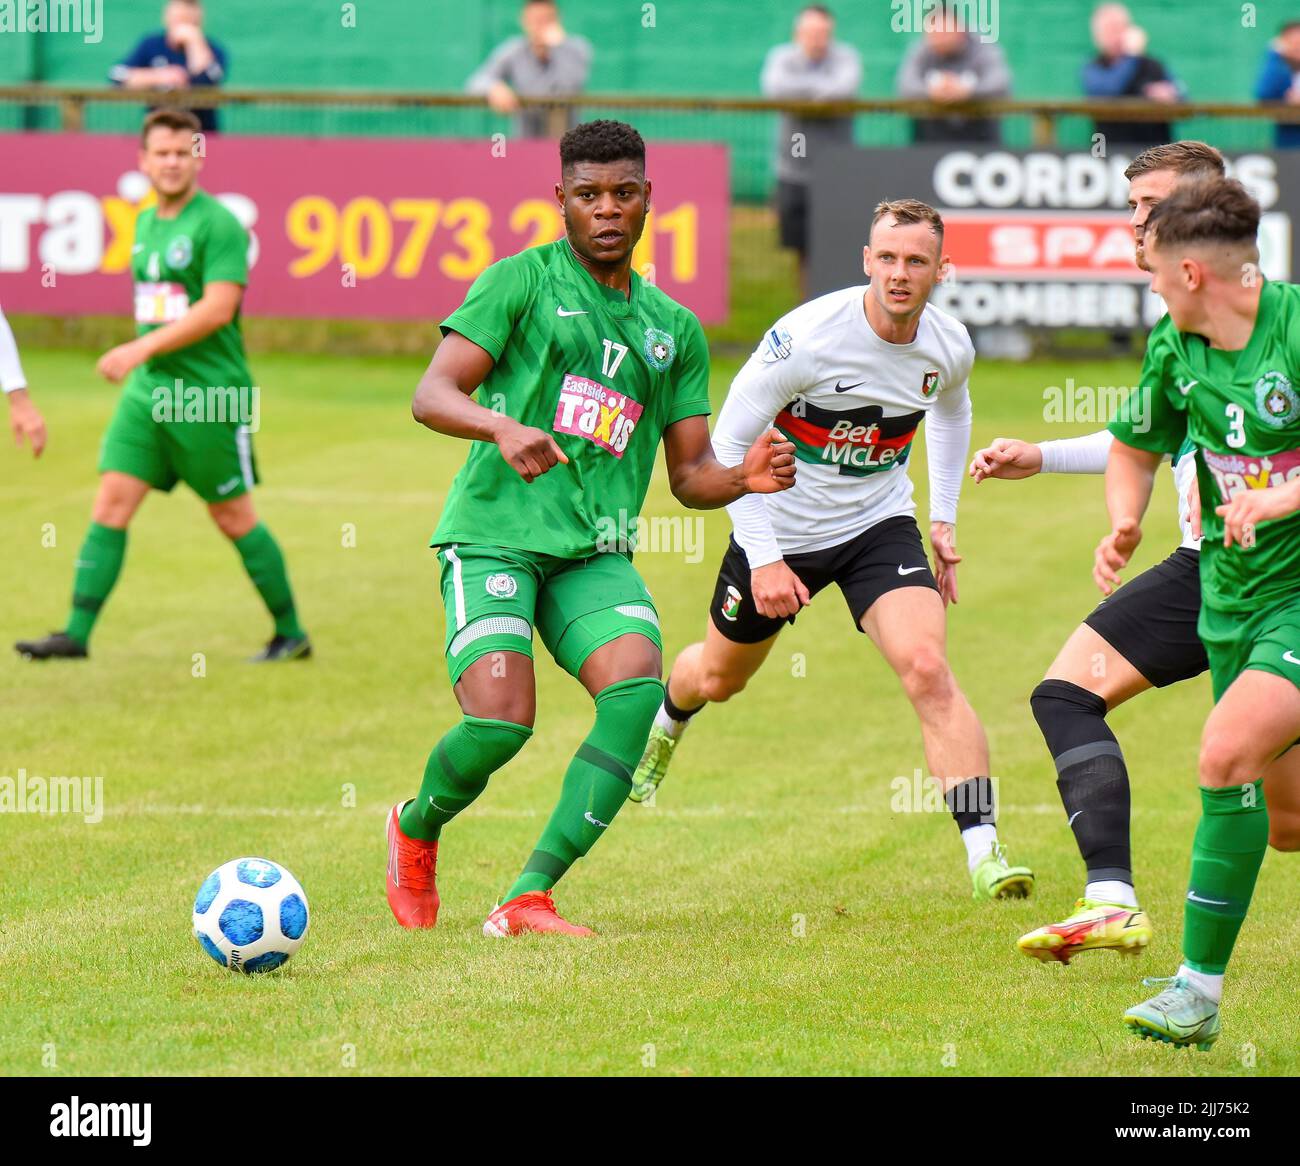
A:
{"x":1221,"y":370}
{"x":581,"y":369}
{"x":185,"y":412}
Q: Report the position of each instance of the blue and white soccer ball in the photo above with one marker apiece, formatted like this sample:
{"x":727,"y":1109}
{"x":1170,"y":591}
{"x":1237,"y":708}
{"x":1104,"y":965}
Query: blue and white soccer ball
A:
{"x":250,"y":915}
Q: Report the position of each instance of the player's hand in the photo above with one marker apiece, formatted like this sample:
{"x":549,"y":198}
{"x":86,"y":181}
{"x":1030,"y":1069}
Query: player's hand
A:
{"x":501,"y":98}
{"x":1244,"y":511}
{"x":26,"y":421}
{"x":778,"y":592}
{"x":769,"y":465}
{"x":1113,"y":553}
{"x":118,"y":362}
{"x":529,"y":452}
{"x":943,"y":542}
{"x":173,"y":76}
{"x":1007,"y":458}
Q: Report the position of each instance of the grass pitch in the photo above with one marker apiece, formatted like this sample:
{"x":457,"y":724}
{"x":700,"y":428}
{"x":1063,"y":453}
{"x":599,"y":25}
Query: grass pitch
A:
{"x":772,"y":914}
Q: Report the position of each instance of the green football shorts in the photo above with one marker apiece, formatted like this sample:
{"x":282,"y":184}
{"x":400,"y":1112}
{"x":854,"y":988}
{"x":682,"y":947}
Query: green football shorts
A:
{"x":1267,"y":640}
{"x":214,"y":458}
{"x":495,"y":596}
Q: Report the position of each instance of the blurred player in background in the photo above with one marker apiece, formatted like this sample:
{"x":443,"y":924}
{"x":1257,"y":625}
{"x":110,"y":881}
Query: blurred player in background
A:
{"x":850,"y":376}
{"x":588,"y":367}
{"x":1221,"y":370}
{"x":1143,"y":637}
{"x":176,"y":419}
{"x":25,"y":418}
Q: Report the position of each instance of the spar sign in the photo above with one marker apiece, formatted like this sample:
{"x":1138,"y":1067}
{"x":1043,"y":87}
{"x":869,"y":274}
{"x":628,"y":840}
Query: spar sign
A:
{"x":1039,"y":238}
{"x":378,"y":229}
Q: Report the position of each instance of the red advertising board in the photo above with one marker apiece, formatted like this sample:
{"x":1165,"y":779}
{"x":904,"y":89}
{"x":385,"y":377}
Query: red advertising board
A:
{"x":375,"y":229}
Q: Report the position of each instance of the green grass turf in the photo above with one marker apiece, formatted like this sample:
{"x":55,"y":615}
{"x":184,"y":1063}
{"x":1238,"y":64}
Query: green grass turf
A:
{"x":770,"y":915}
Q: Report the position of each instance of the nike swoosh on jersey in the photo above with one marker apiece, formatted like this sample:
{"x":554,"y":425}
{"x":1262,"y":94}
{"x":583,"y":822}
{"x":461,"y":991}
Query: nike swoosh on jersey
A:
{"x":570,"y":312}
{"x":909,"y":570}
{"x":1290,"y":657}
{"x":839,"y":388}
{"x":1187,"y":388}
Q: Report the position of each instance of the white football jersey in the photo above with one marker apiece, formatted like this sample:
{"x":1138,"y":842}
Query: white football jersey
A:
{"x":851,"y":404}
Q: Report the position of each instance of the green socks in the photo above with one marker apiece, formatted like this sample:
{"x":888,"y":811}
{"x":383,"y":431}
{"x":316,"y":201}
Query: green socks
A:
{"x":1226,"y":854}
{"x":457,"y":772}
{"x":596,"y":784}
{"x":265,"y":566}
{"x":97,"y":569}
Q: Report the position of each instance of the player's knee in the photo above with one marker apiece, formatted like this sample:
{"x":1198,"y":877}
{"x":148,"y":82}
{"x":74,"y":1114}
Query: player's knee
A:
{"x":1221,"y":761}
{"x":1284,"y":831}
{"x":927,"y":679}
{"x":634,"y":702}
{"x":234,"y":524}
{"x":717,"y":686}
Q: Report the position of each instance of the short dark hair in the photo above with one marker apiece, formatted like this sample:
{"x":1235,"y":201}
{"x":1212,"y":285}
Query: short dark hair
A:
{"x":601,"y":141}
{"x":820,"y":9}
{"x":169,"y":119}
{"x":906,"y":211}
{"x":1184,"y":158}
{"x":1288,"y":26}
{"x":1205,"y":210}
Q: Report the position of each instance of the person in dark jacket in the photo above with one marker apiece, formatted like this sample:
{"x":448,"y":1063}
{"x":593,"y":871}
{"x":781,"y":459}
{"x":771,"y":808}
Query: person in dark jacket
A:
{"x":1279,"y":81}
{"x":179,"y":56}
{"x":1121,"y":68}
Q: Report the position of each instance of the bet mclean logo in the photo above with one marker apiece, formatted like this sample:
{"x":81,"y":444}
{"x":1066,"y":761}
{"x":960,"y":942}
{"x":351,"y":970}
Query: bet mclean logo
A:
{"x":102,"y":1119}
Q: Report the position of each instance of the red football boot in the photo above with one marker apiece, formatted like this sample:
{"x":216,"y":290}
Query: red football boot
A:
{"x":531,"y":911}
{"x":412,"y":867}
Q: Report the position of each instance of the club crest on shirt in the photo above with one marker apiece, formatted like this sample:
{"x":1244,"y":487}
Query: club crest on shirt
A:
{"x":660,"y":348}
{"x":777,"y":345}
{"x":501,"y":585}
{"x":930,"y":383}
{"x":179,"y":252}
{"x":1276,"y":401}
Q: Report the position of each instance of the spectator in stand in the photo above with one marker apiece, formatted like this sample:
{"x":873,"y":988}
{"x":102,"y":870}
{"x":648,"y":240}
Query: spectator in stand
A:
{"x":1279,"y":81}
{"x":24,"y":417}
{"x":947,"y":67}
{"x":814,"y":67}
{"x":1121,"y":69}
{"x":180,"y":56}
{"x":544,"y":62}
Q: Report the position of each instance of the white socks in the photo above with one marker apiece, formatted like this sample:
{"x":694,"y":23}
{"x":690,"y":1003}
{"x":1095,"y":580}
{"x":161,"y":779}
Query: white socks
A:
{"x":979,"y":842}
{"x":1204,"y":983}
{"x":674,"y":728}
{"x":1112,"y":891}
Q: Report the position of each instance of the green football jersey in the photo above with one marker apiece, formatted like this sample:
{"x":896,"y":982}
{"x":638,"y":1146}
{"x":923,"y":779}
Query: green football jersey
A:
{"x":604,"y":375}
{"x":1242,"y":412}
{"x":172,"y":261}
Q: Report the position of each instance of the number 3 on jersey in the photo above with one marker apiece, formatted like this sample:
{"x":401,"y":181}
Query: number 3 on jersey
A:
{"x":1237,"y":425}
{"x":614,"y":354}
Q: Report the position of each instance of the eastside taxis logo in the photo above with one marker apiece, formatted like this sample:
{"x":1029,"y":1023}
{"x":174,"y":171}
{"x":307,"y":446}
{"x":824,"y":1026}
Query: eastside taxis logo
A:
{"x":1233,"y":473}
{"x":587,"y":408}
{"x":81,"y":232}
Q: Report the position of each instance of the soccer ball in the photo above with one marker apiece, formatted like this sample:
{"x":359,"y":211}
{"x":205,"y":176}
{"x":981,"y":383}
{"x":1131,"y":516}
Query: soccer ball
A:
{"x":250,"y":915}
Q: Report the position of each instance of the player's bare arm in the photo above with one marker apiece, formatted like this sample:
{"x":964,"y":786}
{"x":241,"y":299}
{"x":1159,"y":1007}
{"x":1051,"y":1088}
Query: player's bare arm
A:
{"x":1250,"y":507}
{"x":442,"y":403}
{"x":214,"y":310}
{"x":1130,"y":475}
{"x":700,"y":481}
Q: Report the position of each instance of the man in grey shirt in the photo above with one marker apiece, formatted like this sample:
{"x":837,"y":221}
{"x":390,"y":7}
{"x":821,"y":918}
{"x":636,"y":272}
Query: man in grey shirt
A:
{"x":813,"y":68}
{"x":544,"y":62}
{"x":950,"y":65}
